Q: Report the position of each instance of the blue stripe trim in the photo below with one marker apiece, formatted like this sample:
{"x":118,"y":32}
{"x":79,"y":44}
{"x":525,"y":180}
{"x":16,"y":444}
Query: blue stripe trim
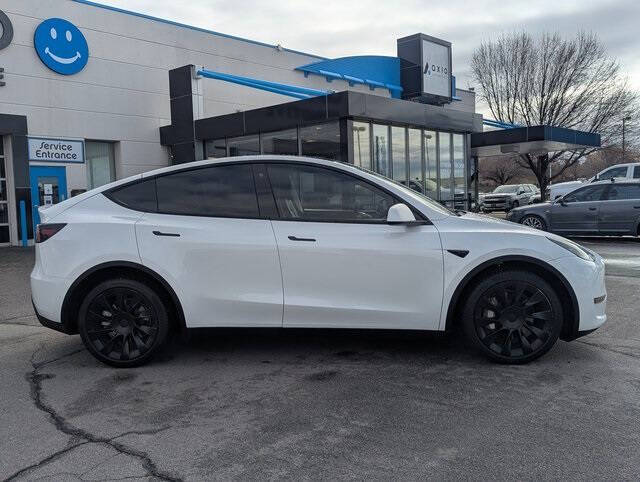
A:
{"x":283,"y":89}
{"x":190,"y":27}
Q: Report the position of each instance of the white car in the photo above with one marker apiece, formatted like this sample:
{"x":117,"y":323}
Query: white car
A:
{"x":276,"y":241}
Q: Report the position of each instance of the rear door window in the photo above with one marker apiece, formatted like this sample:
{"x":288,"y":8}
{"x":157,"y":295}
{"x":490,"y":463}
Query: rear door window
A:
{"x":636,"y":172}
{"x":218,"y":191}
{"x":623,"y":191}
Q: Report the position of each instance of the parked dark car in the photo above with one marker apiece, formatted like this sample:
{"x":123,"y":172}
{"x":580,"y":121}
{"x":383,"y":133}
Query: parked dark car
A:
{"x":507,"y":197}
{"x":600,"y":208}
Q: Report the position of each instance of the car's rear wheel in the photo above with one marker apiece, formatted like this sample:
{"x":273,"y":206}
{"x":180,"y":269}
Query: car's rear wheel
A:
{"x":534,"y":221}
{"x":513,"y":317}
{"x":123,"y":322}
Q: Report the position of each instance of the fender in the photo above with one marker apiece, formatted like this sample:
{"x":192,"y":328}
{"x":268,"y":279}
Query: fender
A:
{"x":569,"y":334}
{"x":66,"y":304}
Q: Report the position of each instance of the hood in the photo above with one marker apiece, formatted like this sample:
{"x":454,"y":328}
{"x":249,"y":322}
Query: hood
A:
{"x":499,"y":195}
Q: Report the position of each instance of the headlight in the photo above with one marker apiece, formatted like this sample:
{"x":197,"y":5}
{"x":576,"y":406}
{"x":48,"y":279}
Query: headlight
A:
{"x":572,"y":247}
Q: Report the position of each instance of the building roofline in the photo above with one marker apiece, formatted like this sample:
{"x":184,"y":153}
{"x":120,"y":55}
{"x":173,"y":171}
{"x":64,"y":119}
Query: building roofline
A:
{"x":190,"y":27}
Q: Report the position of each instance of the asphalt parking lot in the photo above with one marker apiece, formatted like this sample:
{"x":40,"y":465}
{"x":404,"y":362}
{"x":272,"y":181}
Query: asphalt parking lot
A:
{"x":238,"y":404}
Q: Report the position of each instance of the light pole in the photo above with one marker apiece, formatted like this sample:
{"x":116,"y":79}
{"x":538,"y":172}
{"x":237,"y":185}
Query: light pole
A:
{"x":624,"y":120}
{"x":358,"y":130}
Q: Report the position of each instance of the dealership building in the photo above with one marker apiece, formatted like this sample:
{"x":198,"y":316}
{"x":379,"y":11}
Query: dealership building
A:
{"x":92,"y":93}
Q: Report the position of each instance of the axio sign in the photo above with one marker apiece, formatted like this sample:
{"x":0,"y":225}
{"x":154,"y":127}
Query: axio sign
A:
{"x":61,"y":46}
{"x":436,"y":67}
{"x":56,"y":150}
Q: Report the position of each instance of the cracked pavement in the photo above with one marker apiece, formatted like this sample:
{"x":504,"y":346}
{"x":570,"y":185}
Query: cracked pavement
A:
{"x":258,"y":404}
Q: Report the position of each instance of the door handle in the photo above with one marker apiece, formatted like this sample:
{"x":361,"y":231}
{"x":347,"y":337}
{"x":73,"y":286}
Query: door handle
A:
{"x":593,"y":209}
{"x":294,"y":238}
{"x":160,"y":233}
{"x":636,"y":207}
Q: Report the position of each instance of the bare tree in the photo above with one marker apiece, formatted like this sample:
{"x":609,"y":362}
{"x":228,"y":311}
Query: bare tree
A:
{"x":559,"y":82}
{"x":500,"y":170}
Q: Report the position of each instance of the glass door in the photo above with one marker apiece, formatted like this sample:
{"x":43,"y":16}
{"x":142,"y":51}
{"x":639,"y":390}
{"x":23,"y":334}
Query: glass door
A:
{"x":48,"y":187}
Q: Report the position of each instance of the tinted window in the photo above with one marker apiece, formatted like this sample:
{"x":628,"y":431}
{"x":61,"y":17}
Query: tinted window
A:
{"x":591,"y":193}
{"x":636,"y":172}
{"x":615,"y":172}
{"x":624,"y":191}
{"x":224,"y":191}
{"x":317,"y":194}
{"x":140,"y":196}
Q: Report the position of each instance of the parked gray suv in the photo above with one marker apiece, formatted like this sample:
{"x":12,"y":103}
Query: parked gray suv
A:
{"x":509,"y":196}
{"x":605,"y":208}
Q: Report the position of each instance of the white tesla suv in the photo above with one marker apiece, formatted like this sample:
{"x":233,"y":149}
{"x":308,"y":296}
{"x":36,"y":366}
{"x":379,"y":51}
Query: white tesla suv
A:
{"x":275,"y":241}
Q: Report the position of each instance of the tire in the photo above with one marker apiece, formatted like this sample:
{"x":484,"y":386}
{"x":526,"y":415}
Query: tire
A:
{"x":499,"y":318}
{"x":534,"y":221}
{"x":123,"y":322}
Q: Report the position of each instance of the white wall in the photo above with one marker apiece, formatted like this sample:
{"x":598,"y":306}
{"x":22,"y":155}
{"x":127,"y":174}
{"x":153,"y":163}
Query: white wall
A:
{"x":123,"y":92}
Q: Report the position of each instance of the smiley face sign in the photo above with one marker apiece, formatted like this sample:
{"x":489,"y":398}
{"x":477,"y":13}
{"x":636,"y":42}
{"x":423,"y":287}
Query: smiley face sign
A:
{"x":61,"y":46}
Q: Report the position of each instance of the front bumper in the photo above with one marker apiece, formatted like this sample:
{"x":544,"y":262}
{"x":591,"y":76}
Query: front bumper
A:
{"x":587,"y":281}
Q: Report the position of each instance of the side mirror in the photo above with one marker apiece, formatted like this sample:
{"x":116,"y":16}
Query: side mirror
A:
{"x":400,"y":214}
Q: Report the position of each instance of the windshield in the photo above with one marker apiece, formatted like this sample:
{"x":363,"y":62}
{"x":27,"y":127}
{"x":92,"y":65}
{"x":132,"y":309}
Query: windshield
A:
{"x":506,"y":189}
{"x":435,"y":205}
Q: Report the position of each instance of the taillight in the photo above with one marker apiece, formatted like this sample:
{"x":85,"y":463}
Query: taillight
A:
{"x":46,"y":231}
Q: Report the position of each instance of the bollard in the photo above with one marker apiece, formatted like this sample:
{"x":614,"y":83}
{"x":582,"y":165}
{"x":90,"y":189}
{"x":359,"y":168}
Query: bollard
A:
{"x":23,"y":223}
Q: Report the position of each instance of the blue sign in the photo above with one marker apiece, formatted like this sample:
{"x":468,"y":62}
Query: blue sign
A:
{"x":61,"y":46}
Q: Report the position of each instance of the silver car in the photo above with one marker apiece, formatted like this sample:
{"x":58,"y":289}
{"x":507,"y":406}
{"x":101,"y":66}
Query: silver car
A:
{"x":600,"y":208}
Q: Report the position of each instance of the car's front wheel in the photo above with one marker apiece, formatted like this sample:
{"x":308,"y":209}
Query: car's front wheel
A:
{"x":123,"y":322}
{"x":534,"y":221}
{"x":513,"y":316}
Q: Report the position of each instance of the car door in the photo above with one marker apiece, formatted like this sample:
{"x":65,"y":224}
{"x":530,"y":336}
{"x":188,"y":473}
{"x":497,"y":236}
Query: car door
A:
{"x":620,"y":209}
{"x":342,"y":264}
{"x":577,"y":212}
{"x":210,"y":241}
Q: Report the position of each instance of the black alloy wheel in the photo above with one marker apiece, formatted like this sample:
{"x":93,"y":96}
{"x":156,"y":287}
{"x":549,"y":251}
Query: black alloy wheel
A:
{"x":513,"y":317}
{"x":123,"y":322}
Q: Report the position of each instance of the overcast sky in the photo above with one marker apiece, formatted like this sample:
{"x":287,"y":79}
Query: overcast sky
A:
{"x":336,"y":28}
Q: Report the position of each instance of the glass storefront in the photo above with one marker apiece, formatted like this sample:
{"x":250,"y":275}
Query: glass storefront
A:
{"x":459,"y":162}
{"x":399,"y":154}
{"x":430,"y":162}
{"x":416,"y":174}
{"x":381,"y":149}
{"x":361,"y":144}
{"x":244,"y":146}
{"x":281,"y":142}
{"x":216,"y":148}
{"x":444,"y":159}
{"x":322,"y":140}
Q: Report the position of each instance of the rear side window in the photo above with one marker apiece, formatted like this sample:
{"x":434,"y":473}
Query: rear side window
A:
{"x":614,"y":172}
{"x":624,"y":191}
{"x":219,"y":191}
{"x":140,"y":196}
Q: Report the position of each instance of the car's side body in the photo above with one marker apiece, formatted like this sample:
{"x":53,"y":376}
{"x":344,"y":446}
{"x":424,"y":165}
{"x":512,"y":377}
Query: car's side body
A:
{"x":601,"y":208}
{"x":267,"y":269}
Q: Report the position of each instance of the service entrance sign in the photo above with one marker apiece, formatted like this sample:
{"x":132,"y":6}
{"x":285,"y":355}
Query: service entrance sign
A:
{"x":56,"y":150}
